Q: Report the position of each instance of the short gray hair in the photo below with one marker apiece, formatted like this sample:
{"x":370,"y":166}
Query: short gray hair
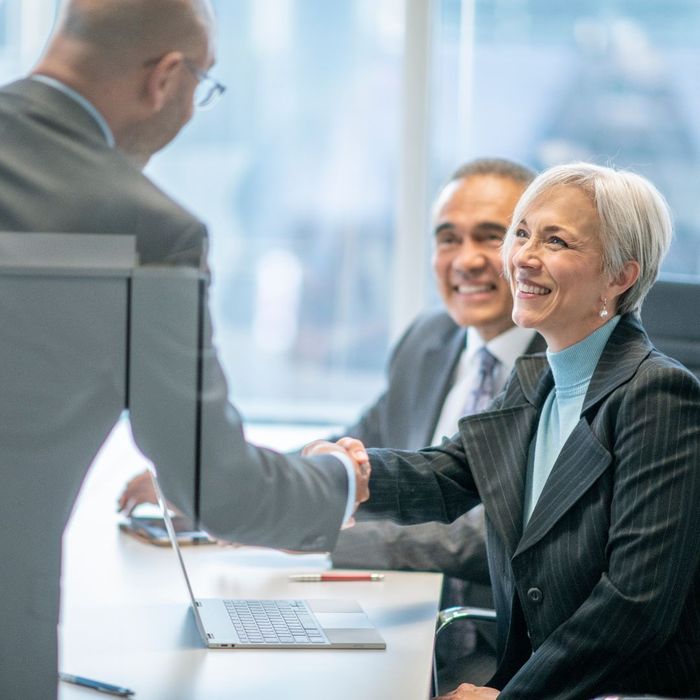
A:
{"x":635,"y":220}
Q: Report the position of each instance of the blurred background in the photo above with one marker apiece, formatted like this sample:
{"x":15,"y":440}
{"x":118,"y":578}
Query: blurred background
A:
{"x":341,"y":121}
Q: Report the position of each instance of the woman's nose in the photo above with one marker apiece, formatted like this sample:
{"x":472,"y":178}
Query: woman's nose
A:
{"x":525,"y":254}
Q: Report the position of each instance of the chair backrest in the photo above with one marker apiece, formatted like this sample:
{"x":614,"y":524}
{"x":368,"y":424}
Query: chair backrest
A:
{"x":671,"y":317}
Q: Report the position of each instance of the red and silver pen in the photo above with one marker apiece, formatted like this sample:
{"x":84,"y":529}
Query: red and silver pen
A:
{"x":336,"y":576}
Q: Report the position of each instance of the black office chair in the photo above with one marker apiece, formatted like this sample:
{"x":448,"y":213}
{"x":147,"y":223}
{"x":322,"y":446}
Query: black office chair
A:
{"x":671,"y":317}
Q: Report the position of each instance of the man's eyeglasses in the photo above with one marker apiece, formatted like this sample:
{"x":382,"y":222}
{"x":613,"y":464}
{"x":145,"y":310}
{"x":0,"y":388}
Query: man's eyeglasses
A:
{"x":208,"y":90}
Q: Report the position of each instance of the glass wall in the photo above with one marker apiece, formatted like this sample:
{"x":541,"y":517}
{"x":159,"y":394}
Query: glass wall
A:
{"x":610,"y":81}
{"x":295,"y":172}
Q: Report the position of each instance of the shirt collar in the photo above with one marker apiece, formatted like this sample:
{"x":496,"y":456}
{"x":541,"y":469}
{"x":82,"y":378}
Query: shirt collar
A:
{"x":506,"y":347}
{"x":82,"y":101}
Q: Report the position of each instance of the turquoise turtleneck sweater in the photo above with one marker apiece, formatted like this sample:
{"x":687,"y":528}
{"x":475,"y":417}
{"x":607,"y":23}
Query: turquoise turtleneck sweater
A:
{"x":572,"y":369}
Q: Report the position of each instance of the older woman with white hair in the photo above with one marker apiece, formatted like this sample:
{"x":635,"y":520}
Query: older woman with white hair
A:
{"x":588,"y":463}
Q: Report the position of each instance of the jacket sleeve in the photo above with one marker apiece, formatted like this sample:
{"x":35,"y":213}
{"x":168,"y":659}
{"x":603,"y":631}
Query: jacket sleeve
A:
{"x":433,"y":484}
{"x":246,"y":494}
{"x":457,"y":549}
{"x":652,"y":552}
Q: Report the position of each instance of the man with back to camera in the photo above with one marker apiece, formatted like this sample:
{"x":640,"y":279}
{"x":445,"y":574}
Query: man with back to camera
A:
{"x":117,"y":82}
{"x":433,"y":379}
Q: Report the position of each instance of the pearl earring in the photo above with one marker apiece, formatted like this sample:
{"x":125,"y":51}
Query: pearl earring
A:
{"x":604,"y":311}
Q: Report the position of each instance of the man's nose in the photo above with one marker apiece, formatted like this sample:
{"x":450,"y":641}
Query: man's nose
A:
{"x":470,"y":257}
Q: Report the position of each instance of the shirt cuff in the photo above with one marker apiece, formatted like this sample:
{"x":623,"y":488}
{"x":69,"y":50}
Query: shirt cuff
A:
{"x":352,"y":488}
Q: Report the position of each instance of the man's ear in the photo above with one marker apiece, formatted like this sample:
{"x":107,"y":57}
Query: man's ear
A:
{"x":627,"y":276}
{"x":162,"y":79}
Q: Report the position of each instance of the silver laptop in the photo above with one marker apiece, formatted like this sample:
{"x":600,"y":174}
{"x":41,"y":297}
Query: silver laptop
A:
{"x":275,"y":624}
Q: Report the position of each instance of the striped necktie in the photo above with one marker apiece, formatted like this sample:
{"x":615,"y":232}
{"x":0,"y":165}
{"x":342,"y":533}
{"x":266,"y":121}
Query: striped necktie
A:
{"x":484,"y":388}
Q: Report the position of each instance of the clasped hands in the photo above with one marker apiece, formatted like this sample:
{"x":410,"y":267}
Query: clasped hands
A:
{"x":355,"y":450}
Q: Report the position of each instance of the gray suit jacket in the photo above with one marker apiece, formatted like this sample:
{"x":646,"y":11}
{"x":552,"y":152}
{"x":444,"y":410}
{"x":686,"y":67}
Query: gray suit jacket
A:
{"x":603,"y":583}
{"x":59,"y":175}
{"x":404,"y":417}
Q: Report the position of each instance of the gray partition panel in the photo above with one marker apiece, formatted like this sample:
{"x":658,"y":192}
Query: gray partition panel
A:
{"x":76,"y":251}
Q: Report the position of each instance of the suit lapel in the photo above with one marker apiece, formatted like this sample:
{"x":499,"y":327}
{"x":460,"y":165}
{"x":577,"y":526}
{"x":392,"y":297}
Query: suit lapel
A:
{"x":496,"y":444}
{"x":434,"y":383}
{"x":583,"y":458}
{"x":581,"y":461}
{"x":624,"y":352}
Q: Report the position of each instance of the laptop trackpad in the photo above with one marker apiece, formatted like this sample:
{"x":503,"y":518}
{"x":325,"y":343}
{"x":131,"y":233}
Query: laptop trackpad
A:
{"x":329,"y":620}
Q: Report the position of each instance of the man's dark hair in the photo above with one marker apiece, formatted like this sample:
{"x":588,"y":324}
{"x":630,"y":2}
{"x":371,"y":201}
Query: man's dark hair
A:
{"x":499,"y":167}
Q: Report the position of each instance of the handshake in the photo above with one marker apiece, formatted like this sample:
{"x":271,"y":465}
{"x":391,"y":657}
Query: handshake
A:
{"x":140,"y":488}
{"x":355,"y":451}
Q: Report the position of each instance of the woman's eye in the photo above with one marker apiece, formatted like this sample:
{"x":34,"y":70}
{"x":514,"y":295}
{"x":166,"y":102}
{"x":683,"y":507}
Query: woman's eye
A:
{"x":560,"y":242}
{"x":521,"y":233}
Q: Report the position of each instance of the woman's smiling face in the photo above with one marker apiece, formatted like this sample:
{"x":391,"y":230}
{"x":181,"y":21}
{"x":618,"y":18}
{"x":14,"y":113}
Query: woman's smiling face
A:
{"x":556,"y":268}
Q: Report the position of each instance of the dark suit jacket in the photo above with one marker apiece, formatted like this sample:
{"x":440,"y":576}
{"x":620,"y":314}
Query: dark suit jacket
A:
{"x":420,"y":376}
{"x":603,"y":583}
{"x":59,"y":175}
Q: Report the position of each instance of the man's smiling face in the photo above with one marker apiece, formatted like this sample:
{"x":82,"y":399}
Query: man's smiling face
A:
{"x":471,"y":218}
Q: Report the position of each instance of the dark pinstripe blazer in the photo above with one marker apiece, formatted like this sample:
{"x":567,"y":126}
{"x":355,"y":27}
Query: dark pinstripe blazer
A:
{"x":601,"y":590}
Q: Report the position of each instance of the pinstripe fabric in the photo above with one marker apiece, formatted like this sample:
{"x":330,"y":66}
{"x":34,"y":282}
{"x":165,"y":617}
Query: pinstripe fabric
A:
{"x":604,"y":581}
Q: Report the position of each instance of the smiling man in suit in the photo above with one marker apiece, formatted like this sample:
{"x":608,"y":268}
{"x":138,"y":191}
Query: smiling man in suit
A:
{"x":448,"y":363}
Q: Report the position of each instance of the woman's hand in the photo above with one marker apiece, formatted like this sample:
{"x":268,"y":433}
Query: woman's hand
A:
{"x":467,"y":691}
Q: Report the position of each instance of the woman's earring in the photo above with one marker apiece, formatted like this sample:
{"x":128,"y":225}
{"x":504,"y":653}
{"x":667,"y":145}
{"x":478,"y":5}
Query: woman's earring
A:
{"x":604,"y":311}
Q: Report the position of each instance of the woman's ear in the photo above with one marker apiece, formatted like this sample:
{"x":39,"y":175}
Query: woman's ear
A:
{"x":162,"y":79}
{"x":624,"y":279}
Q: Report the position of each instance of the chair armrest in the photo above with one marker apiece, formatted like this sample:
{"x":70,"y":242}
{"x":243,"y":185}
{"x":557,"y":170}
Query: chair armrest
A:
{"x":449,"y":615}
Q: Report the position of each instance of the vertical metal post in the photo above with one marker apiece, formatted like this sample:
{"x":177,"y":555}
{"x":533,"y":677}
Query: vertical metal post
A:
{"x":465,"y":73}
{"x":410,"y":244}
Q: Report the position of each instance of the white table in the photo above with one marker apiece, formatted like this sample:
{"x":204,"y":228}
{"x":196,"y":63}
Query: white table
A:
{"x":126,"y":618}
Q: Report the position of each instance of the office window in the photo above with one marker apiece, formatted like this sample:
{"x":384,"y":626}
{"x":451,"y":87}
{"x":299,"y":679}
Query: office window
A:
{"x":295,"y":173}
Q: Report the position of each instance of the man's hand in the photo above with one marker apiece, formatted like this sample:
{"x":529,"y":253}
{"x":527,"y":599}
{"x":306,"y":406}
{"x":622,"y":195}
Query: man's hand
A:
{"x":467,"y":691}
{"x":355,"y":450}
{"x":138,"y":490}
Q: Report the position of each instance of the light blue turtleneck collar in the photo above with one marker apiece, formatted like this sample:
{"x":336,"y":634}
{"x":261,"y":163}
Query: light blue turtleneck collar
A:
{"x":573,"y":367}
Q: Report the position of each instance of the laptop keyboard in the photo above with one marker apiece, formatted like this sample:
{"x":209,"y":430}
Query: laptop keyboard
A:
{"x":274,"y":622}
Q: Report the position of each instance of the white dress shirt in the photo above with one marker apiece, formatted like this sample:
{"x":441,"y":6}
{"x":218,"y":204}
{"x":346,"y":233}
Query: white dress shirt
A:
{"x":506,"y":348}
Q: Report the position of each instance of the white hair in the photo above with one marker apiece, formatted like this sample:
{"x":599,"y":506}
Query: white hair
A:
{"x":635,"y":221}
